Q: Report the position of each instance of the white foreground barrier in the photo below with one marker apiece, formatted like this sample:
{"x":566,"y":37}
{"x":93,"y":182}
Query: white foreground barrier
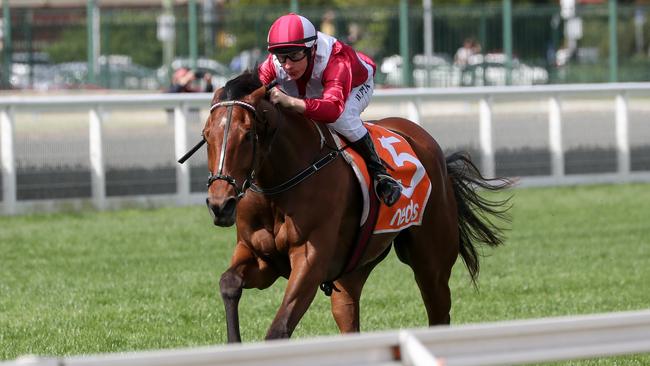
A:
{"x":504,"y":343}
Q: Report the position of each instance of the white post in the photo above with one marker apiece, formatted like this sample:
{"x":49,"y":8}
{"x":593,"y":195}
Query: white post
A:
{"x":413,"y":110}
{"x":97,"y":170}
{"x":488,"y":165}
{"x":427,"y":19}
{"x":555,"y":137}
{"x":622,"y":135}
{"x":413,"y":351}
{"x":180,"y":145}
{"x":97,"y":37}
{"x":8,"y":161}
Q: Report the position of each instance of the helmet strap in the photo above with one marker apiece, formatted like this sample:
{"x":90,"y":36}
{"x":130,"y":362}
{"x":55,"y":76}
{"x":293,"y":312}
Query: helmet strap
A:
{"x":310,"y":64}
{"x":311,"y":56}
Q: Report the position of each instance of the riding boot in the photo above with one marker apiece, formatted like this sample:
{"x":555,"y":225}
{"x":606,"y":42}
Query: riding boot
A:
{"x":386,"y":187}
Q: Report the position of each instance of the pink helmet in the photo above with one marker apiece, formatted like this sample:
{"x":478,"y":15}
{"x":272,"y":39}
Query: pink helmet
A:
{"x":291,"y":30}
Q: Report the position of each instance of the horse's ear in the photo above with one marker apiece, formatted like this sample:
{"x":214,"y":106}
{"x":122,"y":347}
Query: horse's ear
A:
{"x":217,"y":95}
{"x":261,"y":92}
{"x":257,"y":95}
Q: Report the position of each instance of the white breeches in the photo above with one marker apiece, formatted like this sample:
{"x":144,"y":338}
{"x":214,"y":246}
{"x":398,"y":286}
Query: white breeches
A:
{"x":349,"y":123}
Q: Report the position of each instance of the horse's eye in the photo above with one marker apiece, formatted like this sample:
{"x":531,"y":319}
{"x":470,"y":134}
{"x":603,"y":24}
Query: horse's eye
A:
{"x":249,"y":136}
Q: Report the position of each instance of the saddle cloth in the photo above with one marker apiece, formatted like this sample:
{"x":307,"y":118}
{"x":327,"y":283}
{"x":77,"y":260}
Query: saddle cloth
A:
{"x":405,"y":167}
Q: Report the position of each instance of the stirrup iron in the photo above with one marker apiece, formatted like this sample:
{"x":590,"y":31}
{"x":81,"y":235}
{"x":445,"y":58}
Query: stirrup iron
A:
{"x":387,"y":189}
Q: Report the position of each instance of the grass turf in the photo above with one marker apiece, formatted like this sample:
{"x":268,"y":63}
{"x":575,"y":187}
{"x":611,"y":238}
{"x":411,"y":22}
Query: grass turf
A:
{"x":100,"y":282}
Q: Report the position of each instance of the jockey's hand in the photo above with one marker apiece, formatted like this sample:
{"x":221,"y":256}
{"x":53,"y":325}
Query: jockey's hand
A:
{"x":278,"y":97}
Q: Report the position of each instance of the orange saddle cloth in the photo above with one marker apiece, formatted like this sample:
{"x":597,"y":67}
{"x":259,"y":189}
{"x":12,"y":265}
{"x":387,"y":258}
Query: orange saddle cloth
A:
{"x":405,"y":167}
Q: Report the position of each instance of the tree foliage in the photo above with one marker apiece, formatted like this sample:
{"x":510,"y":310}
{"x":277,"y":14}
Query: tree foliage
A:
{"x":241,"y":25}
{"x":122,"y":33}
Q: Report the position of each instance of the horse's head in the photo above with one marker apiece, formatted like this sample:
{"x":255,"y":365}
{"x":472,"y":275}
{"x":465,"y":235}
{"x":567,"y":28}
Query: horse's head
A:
{"x":232,"y":133}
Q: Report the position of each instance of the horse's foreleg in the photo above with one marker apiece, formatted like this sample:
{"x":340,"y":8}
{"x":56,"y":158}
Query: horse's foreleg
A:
{"x":245,"y":271}
{"x":231,"y":285}
{"x":306,"y":275}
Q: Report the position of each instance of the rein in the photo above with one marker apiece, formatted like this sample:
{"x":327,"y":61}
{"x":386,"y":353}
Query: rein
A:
{"x":328,"y":286}
{"x":317,"y":165}
{"x":305,"y":173}
{"x":298,"y":178}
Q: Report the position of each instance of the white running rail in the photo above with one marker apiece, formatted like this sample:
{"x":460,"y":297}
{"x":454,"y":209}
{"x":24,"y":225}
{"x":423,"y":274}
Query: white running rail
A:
{"x":412,"y":98}
{"x":503,"y":343}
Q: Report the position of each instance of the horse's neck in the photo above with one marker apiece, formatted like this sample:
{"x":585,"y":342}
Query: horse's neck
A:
{"x":295,"y":146}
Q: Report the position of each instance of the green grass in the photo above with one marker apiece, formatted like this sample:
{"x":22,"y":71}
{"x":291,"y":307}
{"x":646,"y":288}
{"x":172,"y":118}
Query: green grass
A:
{"x":147,"y":279}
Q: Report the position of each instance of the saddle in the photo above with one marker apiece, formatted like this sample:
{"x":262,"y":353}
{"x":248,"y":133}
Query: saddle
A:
{"x":406,"y":168}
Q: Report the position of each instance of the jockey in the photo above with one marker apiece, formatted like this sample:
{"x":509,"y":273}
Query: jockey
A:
{"x":327,"y":81}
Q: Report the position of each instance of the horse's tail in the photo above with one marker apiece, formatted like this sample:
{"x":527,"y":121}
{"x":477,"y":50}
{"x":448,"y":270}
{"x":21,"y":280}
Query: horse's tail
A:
{"x":474,"y":211}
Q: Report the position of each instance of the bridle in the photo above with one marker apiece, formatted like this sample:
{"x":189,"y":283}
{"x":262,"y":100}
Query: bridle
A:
{"x":248,"y":182}
{"x":239,"y":190}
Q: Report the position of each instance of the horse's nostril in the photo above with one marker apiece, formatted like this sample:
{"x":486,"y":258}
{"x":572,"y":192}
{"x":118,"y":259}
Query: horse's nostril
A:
{"x":229,"y":206}
{"x":222,"y":214}
{"x":212,"y":209}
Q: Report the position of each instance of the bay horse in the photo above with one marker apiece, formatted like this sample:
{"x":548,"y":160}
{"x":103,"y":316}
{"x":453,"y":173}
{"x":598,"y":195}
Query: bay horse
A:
{"x":297,"y":212}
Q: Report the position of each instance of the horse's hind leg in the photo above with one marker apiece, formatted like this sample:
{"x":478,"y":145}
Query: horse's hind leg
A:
{"x":245,"y":271}
{"x":345,"y":302}
{"x":431,"y":250}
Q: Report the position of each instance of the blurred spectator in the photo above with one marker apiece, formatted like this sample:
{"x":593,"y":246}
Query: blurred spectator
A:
{"x":354,"y":34}
{"x":476,"y":48}
{"x":184,"y":78}
{"x":466,"y":58}
{"x":551,"y":60}
{"x":463,"y":54}
{"x":246,"y":60}
{"x":327,"y":25}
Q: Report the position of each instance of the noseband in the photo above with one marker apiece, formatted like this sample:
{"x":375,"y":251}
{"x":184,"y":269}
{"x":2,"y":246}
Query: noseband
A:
{"x":240,"y":190}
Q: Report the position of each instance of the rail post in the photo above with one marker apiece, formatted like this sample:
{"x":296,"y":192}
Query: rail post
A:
{"x":180,"y":144}
{"x":8,"y":161}
{"x":97,"y":169}
{"x":485,"y":137}
{"x":622,"y":135}
{"x":555,"y":137}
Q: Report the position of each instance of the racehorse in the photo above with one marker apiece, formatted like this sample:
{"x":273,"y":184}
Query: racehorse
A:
{"x":297,"y":204}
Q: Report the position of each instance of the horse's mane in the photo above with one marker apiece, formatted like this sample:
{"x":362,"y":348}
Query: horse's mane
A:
{"x":241,"y":85}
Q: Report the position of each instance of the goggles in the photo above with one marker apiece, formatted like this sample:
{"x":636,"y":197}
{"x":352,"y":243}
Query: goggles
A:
{"x":294,"y":56}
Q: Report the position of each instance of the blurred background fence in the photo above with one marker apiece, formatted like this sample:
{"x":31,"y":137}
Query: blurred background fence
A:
{"x":108,"y":151}
{"x":137,"y":44}
{"x":49,"y":151}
